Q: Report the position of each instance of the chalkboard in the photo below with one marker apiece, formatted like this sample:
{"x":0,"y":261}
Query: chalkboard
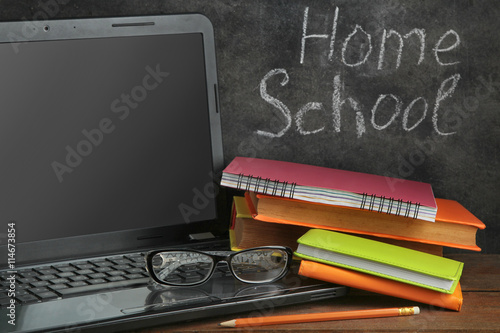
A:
{"x":409,"y":89}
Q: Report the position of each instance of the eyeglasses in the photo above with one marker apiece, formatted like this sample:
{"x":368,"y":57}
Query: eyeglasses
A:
{"x":188,"y":267}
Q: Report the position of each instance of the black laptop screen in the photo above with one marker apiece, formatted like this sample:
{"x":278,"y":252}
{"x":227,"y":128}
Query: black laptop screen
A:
{"x":100,"y":135}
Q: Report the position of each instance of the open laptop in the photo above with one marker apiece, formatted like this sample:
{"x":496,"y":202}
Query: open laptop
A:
{"x":110,"y":146}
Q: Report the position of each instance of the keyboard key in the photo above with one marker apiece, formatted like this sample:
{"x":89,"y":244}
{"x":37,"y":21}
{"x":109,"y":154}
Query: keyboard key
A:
{"x":106,"y":286}
{"x":28,"y":273}
{"x":188,"y":268}
{"x":84,"y":266}
{"x":97,"y":275}
{"x":77,"y":278}
{"x":59,"y":281}
{"x":136,"y":257}
{"x":121,"y":267}
{"x":40,"y":283}
{"x":77,"y":284}
{"x":28,"y":298}
{"x":22,"y":286}
{"x":47,"y":277}
{"x":141,"y":264}
{"x":47,"y":295}
{"x":28,"y":280}
{"x":190,"y":274}
{"x":205,"y":265}
{"x":84,"y":271}
{"x":59,"y":286}
{"x":103,"y":269}
{"x":116,"y":278}
{"x":190,"y":277}
{"x":21,"y":292}
{"x":96,"y":281}
{"x":115,"y":273}
{"x":46,"y":271}
{"x":65,"y":274}
{"x":38,"y":290}
{"x":134,"y":276}
{"x":174,"y":278}
{"x":135,"y":270}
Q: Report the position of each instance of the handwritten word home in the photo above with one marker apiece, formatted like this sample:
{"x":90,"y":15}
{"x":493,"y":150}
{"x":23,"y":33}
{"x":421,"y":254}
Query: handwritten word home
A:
{"x":418,"y":107}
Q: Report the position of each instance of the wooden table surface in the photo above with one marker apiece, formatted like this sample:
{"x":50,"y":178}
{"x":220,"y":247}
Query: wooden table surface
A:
{"x":480,"y":311}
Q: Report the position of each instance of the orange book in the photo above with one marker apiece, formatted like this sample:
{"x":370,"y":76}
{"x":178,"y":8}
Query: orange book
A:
{"x":455,"y":226}
{"x":380,"y":285}
{"x":246,"y":232}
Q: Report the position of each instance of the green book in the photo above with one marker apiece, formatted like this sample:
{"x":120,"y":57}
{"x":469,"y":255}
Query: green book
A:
{"x":380,"y":259}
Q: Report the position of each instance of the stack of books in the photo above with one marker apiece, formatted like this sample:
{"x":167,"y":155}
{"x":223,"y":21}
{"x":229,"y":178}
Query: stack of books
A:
{"x":306,"y":207}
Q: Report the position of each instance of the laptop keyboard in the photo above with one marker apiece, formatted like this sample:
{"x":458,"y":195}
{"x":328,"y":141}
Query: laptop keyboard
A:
{"x":43,"y":283}
{"x":83,"y":277}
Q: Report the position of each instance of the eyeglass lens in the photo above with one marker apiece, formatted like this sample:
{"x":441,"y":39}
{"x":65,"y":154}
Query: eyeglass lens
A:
{"x":259,"y":265}
{"x":182,"y":267}
{"x":187,"y":268}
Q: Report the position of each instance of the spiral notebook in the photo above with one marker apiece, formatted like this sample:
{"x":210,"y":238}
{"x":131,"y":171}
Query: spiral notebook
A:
{"x":332,"y":186}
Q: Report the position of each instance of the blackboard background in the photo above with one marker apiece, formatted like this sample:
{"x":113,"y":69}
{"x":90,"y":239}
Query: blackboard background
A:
{"x":255,"y":37}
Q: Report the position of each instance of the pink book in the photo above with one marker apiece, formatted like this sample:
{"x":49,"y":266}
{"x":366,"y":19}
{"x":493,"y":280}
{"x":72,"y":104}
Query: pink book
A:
{"x":332,"y":187}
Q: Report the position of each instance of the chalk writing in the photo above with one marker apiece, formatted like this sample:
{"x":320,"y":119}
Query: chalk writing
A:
{"x":445,"y":91}
{"x":437,"y":49}
{"x":442,"y":95}
{"x":276,"y":102}
{"x":419,"y":33}
{"x":346,"y":44}
{"x":357,"y":48}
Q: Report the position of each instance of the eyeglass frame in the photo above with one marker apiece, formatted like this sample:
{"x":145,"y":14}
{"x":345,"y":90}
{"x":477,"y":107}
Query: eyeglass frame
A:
{"x":216,"y":260}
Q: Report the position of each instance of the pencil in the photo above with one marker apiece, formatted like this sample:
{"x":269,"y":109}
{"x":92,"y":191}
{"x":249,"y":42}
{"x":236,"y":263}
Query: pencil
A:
{"x":324,"y":316}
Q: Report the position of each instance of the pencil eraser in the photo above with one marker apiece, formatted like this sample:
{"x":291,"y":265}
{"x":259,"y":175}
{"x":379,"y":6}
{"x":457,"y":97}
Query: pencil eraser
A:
{"x":416,"y":310}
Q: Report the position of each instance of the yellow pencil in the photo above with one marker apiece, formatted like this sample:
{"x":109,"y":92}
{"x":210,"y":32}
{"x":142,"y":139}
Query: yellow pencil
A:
{"x":324,"y":316}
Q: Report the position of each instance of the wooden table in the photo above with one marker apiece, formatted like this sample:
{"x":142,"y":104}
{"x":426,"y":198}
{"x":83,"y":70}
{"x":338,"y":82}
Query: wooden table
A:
{"x":480,"y":312}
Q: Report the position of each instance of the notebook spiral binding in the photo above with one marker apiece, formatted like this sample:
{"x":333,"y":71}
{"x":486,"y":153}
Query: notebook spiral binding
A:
{"x":368,"y":202}
{"x":266,"y":186}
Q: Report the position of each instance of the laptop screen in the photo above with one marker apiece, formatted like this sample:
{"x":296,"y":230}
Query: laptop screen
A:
{"x":99,"y":135}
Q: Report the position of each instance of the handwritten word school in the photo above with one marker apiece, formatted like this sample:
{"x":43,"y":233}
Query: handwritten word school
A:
{"x":418,"y":107}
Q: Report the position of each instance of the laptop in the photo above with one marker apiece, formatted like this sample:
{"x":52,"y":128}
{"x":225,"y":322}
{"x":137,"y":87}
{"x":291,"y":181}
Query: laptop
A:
{"x":111,"y":146}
